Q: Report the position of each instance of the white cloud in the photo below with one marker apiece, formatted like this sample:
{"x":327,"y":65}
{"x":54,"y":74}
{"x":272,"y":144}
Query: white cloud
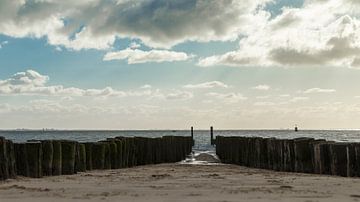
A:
{"x":95,"y":24}
{"x":264,"y":104}
{"x":146,"y":86}
{"x":263,"y":87}
{"x":135,"y":56}
{"x":206,"y":85}
{"x":263,"y":97}
{"x":31,"y":82}
{"x":228,"y":97}
{"x":134,"y":45}
{"x":317,"y":34}
{"x":299,"y":99}
{"x":179,"y":95}
{"x":319,"y":90}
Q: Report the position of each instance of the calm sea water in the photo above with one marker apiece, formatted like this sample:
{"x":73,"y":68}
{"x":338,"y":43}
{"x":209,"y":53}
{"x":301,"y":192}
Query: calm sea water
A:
{"x":202,"y":137}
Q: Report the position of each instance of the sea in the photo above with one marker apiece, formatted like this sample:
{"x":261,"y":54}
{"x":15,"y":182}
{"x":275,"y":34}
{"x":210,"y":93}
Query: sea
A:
{"x":201,"y":137}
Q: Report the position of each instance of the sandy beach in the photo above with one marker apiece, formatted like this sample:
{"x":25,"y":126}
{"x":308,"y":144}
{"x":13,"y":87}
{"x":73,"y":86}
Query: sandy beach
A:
{"x":182,"y":182}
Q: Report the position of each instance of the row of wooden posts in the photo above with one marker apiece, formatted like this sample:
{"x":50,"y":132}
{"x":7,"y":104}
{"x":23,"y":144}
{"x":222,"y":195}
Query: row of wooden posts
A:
{"x":62,"y":157}
{"x":304,"y":155}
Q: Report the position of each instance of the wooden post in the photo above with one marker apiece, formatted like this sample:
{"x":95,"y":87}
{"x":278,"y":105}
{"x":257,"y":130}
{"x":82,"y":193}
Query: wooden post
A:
{"x":47,"y":161}
{"x":81,"y":158}
{"x":88,"y":150}
{"x":340,"y":159}
{"x":4,"y":166}
{"x":119,"y":153}
{"x":192,"y":135}
{"x":34,"y":157}
{"x":212,"y":135}
{"x":57,"y":165}
{"x":11,"y":158}
{"x":303,"y":155}
{"x":98,"y":155}
{"x":21,"y":160}
{"x":114,"y":155}
{"x":68,"y":149}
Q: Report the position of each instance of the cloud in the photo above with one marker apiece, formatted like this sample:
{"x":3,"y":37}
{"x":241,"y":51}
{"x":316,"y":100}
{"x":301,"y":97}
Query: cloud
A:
{"x":299,"y":99}
{"x":264,"y":104}
{"x":146,"y":86}
{"x":317,"y":34}
{"x":206,"y":85}
{"x":263,"y":97}
{"x":228,"y":97}
{"x":179,"y":95}
{"x":31,"y":82}
{"x":319,"y":90}
{"x":135,"y":56}
{"x":262,"y":87}
{"x":134,"y":45}
{"x":95,"y":24}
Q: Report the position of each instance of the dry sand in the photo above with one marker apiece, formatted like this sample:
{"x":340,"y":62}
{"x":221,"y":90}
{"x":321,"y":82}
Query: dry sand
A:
{"x":179,"y":182}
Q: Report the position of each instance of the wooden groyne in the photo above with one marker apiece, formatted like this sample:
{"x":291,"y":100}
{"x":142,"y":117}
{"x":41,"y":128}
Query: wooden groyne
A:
{"x":63,"y":157}
{"x":304,"y":155}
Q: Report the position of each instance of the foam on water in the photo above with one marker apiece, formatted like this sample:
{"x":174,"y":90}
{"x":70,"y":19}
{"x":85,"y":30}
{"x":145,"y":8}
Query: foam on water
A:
{"x":202,"y":158}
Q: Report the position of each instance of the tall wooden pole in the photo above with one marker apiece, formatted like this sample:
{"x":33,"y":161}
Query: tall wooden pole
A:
{"x":212,"y":135}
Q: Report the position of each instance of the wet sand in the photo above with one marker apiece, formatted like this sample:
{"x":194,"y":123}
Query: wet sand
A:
{"x":182,"y":182}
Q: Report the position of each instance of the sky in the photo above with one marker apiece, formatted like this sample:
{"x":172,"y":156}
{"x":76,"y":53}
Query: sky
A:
{"x":172,"y":64}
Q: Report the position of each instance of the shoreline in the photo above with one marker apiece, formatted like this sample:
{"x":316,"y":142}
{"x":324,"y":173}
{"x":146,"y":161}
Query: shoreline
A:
{"x":182,"y":182}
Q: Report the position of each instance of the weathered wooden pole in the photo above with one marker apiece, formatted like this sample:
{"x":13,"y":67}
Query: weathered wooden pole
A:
{"x":88,"y":150}
{"x":34,"y":157}
{"x":303,"y":150}
{"x":107,"y":162}
{"x":80,"y":163}
{"x":114,"y":155}
{"x":192,"y":135}
{"x":57,"y":159}
{"x":4,"y":166}
{"x":68,"y":149}
{"x":212,"y":135}
{"x":98,"y":155}
{"x":11,"y":158}
{"x":119,"y":153}
{"x":21,"y":160}
{"x":340,"y":159}
{"x":48,"y":154}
